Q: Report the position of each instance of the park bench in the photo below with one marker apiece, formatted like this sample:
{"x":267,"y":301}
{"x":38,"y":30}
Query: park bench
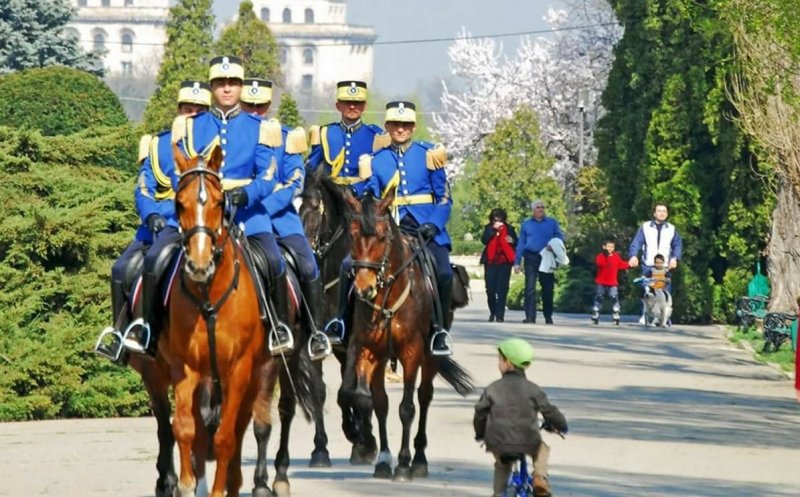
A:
{"x":751,"y":309}
{"x":778,"y":328}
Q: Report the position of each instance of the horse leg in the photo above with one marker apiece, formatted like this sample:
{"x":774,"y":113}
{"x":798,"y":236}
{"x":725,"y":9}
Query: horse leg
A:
{"x":262,"y":427}
{"x":156,"y":380}
{"x":403,"y":470}
{"x":235,"y":398}
{"x":380,"y":401}
{"x":419,"y":466}
{"x":234,"y":482}
{"x":184,"y":426}
{"x":286,"y":410}
{"x":200,"y":446}
{"x":320,"y":457}
{"x":356,"y":416}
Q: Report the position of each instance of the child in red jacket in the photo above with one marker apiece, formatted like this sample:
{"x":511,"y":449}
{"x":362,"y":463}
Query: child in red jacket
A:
{"x":609,"y":263}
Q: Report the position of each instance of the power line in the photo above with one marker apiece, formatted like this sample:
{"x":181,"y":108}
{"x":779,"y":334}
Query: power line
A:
{"x":406,"y":42}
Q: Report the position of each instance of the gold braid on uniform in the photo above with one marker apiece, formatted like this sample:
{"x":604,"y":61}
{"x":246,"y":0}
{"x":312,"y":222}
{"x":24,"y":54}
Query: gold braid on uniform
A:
{"x":436,"y":158}
{"x":313,"y":137}
{"x":144,"y":147}
{"x":381,"y":141}
{"x":178,"y":129}
{"x":270,"y":133}
{"x":296,"y":141}
{"x":365,"y":166}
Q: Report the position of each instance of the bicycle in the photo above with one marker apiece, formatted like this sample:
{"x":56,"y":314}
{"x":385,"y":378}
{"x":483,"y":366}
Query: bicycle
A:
{"x":520,"y":483}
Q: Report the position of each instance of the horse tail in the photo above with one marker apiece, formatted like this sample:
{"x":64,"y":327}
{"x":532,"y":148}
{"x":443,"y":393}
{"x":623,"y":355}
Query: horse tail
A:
{"x":455,"y":375}
{"x":308,"y":385}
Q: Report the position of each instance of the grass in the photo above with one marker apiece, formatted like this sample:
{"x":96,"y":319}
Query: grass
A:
{"x":783,"y":358}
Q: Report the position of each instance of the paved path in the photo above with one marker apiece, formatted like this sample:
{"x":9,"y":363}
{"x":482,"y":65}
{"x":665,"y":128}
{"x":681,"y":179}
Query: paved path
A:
{"x":652,"y":413}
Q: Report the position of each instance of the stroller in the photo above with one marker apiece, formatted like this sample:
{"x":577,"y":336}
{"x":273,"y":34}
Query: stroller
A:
{"x":657,"y":302}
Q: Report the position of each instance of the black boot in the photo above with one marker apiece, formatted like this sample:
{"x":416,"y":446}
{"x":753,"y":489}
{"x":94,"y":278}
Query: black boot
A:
{"x":142,"y":334}
{"x":335,"y":328}
{"x":280,"y":338}
{"x":319,"y":346}
{"x":109,"y":344}
{"x":441,"y":343}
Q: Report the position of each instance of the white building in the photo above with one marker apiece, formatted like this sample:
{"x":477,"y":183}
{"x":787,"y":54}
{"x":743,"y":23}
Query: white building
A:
{"x":317,"y":46}
{"x":132,"y":32}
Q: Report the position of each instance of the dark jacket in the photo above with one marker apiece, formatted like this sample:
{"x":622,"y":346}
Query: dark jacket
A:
{"x":489,"y":232}
{"x":506,"y":415}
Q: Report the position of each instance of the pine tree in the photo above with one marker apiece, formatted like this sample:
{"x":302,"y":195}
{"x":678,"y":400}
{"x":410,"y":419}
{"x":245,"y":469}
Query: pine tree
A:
{"x":190,"y":29}
{"x":288,"y":114}
{"x":33,"y":36}
{"x":251,"y":39}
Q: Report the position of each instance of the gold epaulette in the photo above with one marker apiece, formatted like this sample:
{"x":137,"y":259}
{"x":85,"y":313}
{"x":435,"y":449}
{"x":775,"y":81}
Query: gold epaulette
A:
{"x":381,"y":141}
{"x":269,"y":133}
{"x":296,"y":141}
{"x":436,"y":158}
{"x":144,"y":147}
{"x":179,"y":128}
{"x":365,"y":166}
{"x":313,"y":133}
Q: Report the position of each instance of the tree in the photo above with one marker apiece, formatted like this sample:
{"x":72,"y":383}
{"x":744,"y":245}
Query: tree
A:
{"x":57,"y":101}
{"x":546,"y":74}
{"x":190,"y":29}
{"x":251,"y":39}
{"x":33,"y":36}
{"x":515,"y":169}
{"x":287,"y":111}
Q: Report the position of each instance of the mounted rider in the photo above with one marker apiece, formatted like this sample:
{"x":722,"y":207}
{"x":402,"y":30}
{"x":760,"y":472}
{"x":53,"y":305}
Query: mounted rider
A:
{"x":155,"y":205}
{"x":422,"y":204}
{"x":286,"y":223}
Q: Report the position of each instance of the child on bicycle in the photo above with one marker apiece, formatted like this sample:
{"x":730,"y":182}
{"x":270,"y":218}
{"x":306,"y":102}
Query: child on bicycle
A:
{"x":609,"y":263}
{"x":506,"y":417}
{"x":658,"y":274}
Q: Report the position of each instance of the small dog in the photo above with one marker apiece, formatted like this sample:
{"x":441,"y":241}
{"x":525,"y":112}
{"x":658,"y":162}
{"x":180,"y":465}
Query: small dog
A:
{"x":657,"y":307}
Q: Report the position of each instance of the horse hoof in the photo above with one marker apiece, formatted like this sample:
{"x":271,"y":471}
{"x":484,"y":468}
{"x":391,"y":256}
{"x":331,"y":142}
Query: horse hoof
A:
{"x":281,"y":489}
{"x":263,"y":492}
{"x":320,"y":459}
{"x":361,"y":457}
{"x":382,"y":470}
{"x":402,"y":473}
{"x":419,"y":470}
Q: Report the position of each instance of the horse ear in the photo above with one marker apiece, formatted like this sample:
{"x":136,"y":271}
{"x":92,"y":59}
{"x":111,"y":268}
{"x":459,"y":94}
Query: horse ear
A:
{"x":388,"y":200}
{"x":181,"y":163}
{"x":351,"y":201}
{"x":215,"y":160}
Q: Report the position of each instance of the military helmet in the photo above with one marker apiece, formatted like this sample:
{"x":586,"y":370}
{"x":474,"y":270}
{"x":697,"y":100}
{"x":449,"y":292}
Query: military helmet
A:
{"x":517,"y":351}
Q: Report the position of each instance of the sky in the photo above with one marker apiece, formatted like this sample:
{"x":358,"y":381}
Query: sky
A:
{"x":406,"y":70}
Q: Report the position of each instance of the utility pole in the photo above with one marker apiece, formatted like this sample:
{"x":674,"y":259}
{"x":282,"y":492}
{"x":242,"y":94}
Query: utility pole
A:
{"x":583,"y":101}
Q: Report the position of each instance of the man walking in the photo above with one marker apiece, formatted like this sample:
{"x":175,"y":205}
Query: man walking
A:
{"x":534,"y":237}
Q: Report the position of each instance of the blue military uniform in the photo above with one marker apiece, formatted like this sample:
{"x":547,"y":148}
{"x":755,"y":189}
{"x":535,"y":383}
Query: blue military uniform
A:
{"x":338,"y":149}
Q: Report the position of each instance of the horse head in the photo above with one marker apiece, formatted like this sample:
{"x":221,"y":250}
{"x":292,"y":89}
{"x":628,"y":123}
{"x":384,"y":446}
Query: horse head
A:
{"x":200,"y":206}
{"x":371,"y":233}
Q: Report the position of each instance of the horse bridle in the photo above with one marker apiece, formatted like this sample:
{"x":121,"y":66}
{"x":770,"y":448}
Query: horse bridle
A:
{"x":381,"y":266}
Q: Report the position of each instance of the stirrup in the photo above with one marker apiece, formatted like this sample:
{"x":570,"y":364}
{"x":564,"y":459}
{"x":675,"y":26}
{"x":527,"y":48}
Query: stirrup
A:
{"x":276,"y":347}
{"x":112,"y":350}
{"x":327,"y":350}
{"x":334,"y":338}
{"x":137,"y":342}
{"x":448,"y":343}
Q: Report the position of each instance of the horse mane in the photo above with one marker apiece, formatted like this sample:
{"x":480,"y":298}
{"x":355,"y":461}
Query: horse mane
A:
{"x":334,"y":194}
{"x":368,"y":205}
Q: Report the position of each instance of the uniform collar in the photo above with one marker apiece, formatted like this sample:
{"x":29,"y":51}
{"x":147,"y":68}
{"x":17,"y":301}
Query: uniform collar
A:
{"x":402,"y":149}
{"x":235,"y":111}
{"x":351,"y":128}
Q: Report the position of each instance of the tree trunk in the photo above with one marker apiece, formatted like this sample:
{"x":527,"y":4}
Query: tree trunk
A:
{"x":784,"y":251}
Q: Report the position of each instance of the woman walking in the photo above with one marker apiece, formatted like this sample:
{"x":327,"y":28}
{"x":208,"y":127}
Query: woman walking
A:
{"x":500,"y":240}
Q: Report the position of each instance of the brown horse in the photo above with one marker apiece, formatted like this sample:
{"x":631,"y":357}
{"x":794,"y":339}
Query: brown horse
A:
{"x":392,"y":318}
{"x":213,"y":329}
{"x":323,"y":211}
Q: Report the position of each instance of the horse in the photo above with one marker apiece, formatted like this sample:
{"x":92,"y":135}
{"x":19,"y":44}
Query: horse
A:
{"x":212,"y":329}
{"x":392,"y":318}
{"x":323,"y":212}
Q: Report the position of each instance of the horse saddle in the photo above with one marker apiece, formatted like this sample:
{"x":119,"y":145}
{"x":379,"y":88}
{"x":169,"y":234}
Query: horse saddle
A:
{"x":258,"y":264}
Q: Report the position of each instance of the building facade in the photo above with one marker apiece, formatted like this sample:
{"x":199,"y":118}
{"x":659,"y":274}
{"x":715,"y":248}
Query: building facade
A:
{"x":131,"y":32}
{"x":317,"y":47}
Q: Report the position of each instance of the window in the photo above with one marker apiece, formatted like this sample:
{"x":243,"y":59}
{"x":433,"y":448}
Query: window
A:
{"x":287,"y":16}
{"x":127,"y":42}
{"x":265,"y":14}
{"x":127,"y":68}
{"x":105,"y":3}
{"x":99,"y":38}
{"x":129,"y":3}
{"x":308,"y":56}
{"x":308,"y":82}
{"x":81,"y":3}
{"x":283,"y":55}
{"x":309,"y":16}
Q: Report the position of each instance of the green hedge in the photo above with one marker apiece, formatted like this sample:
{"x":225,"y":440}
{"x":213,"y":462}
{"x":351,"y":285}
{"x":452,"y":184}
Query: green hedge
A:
{"x":58,"y":101}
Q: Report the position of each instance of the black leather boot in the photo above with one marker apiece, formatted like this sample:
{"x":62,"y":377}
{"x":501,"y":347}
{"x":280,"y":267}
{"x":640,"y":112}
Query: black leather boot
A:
{"x":441,"y":343}
{"x":109,"y":344}
{"x":281,"y":339}
{"x":142,"y":334}
{"x":319,"y":346}
{"x":335,"y":329}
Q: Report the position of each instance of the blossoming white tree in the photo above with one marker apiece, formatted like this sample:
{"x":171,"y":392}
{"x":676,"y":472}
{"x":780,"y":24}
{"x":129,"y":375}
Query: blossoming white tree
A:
{"x":547,"y":74}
